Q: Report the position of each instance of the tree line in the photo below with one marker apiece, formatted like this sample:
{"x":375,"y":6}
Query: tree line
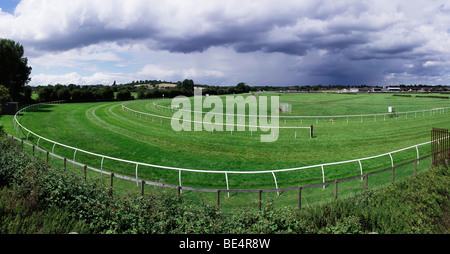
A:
{"x":15,"y":76}
{"x":77,"y":93}
{"x":91,"y":93}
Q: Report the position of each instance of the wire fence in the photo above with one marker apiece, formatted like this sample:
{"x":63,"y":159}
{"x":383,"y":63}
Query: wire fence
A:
{"x":19,"y":128}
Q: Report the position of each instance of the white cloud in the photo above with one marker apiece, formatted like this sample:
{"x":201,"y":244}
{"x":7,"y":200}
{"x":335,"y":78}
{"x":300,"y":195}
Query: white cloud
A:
{"x":75,"y":78}
{"x":430,"y":63}
{"x":77,"y":57}
{"x":218,"y":41}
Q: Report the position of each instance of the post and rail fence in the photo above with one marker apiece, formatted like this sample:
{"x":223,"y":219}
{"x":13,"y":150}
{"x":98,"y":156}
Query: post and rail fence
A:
{"x":440,"y":146}
{"x":439,"y":155}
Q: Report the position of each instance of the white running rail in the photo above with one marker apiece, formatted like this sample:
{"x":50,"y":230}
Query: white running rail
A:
{"x":23,"y":129}
{"x":406,"y":113}
{"x":136,"y":112}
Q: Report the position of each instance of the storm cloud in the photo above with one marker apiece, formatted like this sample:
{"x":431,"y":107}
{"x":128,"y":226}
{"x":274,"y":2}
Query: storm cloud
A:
{"x":223,"y":42}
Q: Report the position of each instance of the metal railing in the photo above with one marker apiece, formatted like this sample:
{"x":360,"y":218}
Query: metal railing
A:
{"x":22,"y":129}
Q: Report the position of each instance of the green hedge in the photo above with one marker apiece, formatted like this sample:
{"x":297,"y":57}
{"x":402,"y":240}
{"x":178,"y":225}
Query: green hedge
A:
{"x":35,"y":198}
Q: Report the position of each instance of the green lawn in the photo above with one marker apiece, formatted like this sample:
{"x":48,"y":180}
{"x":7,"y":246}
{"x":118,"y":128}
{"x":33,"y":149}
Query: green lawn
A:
{"x":104,"y":128}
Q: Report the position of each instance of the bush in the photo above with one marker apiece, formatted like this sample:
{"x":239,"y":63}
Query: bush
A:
{"x":18,"y":217}
{"x":37,"y":199}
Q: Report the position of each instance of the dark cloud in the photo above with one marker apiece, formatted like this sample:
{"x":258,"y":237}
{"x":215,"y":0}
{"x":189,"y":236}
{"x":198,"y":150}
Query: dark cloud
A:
{"x":332,"y":41}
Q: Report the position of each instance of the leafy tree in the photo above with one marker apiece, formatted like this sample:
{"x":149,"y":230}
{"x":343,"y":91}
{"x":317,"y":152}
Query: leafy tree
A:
{"x":242,"y":88}
{"x":27,"y":94}
{"x":188,"y":84}
{"x":14,"y":71}
{"x":154,"y":93}
{"x":4,"y":96}
{"x":73,"y":86}
{"x":63,"y":94}
{"x":124,"y":94}
{"x":46,"y":93}
{"x":107,"y":93}
{"x":141,"y":92}
{"x":82,"y":95}
{"x":77,"y":94}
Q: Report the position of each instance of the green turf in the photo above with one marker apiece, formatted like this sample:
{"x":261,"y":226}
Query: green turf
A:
{"x":104,"y":128}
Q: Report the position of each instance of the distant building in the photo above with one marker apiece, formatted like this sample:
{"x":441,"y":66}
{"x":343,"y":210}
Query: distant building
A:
{"x":393,"y":89}
{"x":376,"y":89}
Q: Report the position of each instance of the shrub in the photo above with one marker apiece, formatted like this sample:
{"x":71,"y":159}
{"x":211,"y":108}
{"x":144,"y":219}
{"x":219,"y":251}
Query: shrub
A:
{"x":36,"y":199}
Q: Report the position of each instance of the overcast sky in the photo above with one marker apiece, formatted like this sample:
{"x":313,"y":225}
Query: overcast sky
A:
{"x":226,"y":42}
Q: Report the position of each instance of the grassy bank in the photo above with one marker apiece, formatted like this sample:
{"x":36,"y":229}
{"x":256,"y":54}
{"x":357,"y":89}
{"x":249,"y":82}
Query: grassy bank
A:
{"x":36,"y":198}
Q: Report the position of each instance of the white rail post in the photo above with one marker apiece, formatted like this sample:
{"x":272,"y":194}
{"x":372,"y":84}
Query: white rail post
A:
{"x":101,"y":166}
{"x":360,"y":168}
{"x":392,"y":160}
{"x":53,"y":150}
{"x":179,"y":180}
{"x":323,"y":176}
{"x":276,"y":184}
{"x":137,"y":182}
{"x":228,"y":187}
{"x":417,"y":149}
{"x":74,"y":158}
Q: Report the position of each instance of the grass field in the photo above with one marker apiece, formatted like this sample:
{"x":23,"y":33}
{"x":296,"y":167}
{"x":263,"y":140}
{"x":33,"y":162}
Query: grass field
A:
{"x":104,"y":128}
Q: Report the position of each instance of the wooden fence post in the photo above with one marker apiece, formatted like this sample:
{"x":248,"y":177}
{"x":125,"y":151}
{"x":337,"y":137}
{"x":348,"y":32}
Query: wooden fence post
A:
{"x":415,"y":168}
{"x":142,"y":187}
{"x":85,"y":173}
{"x":366,"y":180}
{"x":218,"y":199}
{"x":393,"y":174}
{"x":300,"y":197}
{"x":260,"y":199}
{"x":111,"y":190}
{"x":335,"y":189}
{"x":179,"y":192}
